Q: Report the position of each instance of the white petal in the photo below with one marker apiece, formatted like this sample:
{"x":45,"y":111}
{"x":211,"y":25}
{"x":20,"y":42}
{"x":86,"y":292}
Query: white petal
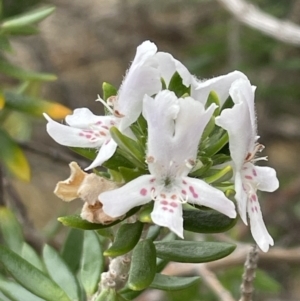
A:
{"x":258,"y":228}
{"x":168,"y":216}
{"x":241,"y":197}
{"x":106,"y":152}
{"x":220,"y":85}
{"x":119,"y":201}
{"x":266,"y":178}
{"x":189,"y":125}
{"x":200,"y":193}
{"x":236,"y":121}
{"x":160,"y":113}
{"x":84,"y":119}
{"x":142,"y":78}
{"x":74,"y":137}
{"x":168,"y":65}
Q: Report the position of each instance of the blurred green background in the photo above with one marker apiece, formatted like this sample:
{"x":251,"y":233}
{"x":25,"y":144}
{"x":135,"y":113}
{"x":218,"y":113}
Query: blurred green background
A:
{"x":87,"y":42}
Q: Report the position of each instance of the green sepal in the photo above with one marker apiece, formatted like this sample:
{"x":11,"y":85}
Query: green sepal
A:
{"x":60,"y":272}
{"x":11,"y":230}
{"x":210,"y":126}
{"x":30,"y":277}
{"x":118,"y":159}
{"x":31,"y":17}
{"x":72,"y":249}
{"x":129,"y":174}
{"x":19,"y":73}
{"x":192,"y":251}
{"x":143,"y":265}
{"x":215,"y":143}
{"x":172,"y":283}
{"x":145,"y":214}
{"x":126,"y":238}
{"x":228,"y":104}
{"x":219,"y":175}
{"x":75,"y":221}
{"x":205,"y":164}
{"x":134,"y":153}
{"x":108,"y":91}
{"x":208,"y":221}
{"x":176,"y":85}
{"x":213,"y":98}
{"x":92,"y":263}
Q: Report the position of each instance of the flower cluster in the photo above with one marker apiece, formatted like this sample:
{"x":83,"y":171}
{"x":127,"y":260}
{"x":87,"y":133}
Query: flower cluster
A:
{"x":188,"y":124}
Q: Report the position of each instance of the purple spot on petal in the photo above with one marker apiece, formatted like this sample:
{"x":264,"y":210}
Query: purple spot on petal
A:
{"x":164,"y":208}
{"x":254,"y":172}
{"x":183,"y":192}
{"x":164,"y":202}
{"x":174,"y":204}
{"x":171,"y":210}
{"x":195,"y":195}
{"x":248,"y":177}
{"x":143,"y":191}
{"x":183,"y":182}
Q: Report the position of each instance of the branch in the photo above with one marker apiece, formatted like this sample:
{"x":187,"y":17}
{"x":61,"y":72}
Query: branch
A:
{"x":213,"y":283}
{"x":246,"y":13}
{"x":249,"y":274}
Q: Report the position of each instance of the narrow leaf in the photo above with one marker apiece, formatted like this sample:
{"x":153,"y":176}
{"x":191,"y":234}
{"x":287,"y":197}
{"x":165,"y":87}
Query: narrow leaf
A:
{"x":30,"y":255}
{"x":16,"y":292}
{"x":92,"y":263}
{"x":28,"y":18}
{"x":75,"y":221}
{"x":206,"y":221}
{"x":30,"y":277}
{"x":126,"y":238}
{"x":72,"y":249}
{"x":19,"y":73}
{"x":60,"y":272}
{"x":172,"y":283}
{"x":192,"y":251}
{"x":11,"y":230}
{"x":143,"y":265}
{"x":13,"y":158}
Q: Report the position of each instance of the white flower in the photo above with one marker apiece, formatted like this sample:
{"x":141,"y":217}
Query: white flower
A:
{"x":200,"y":89}
{"x":240,"y":123}
{"x":84,"y":129}
{"x":175,"y":127}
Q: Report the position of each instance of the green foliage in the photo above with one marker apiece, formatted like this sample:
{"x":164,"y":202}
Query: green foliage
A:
{"x":18,"y":103}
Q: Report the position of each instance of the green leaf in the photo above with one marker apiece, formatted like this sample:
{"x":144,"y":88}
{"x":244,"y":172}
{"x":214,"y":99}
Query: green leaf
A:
{"x":30,"y":255}
{"x":89,"y":153}
{"x":208,"y":221}
{"x":133,"y":152}
{"x":16,"y":292}
{"x":215,"y":142}
{"x":75,"y":221}
{"x":192,"y":251}
{"x":143,"y":265}
{"x":108,"y":90}
{"x":12,"y":157}
{"x":11,"y":230}
{"x":117,"y":160}
{"x":172,"y":283}
{"x":153,"y":232}
{"x":130,"y":174}
{"x":176,"y":85}
{"x":31,"y":17}
{"x":92,"y":263}
{"x":19,"y":73}
{"x":72,"y":249}
{"x":126,"y":238}
{"x":24,"y":30}
{"x":60,"y":272}
{"x":30,"y":277}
